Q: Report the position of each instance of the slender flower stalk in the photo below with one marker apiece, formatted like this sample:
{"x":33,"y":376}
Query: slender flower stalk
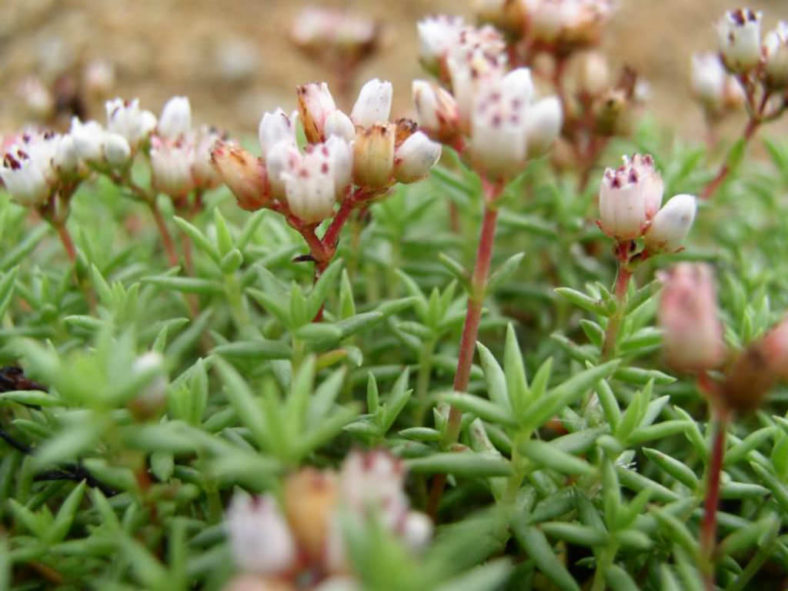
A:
{"x":470,"y":329}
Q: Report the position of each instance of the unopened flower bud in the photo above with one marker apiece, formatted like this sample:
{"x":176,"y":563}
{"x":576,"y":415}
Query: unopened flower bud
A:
{"x":593,"y":73}
{"x":203,"y":171}
{"x":373,"y":155}
{"x":688,"y":316}
{"x":260,"y":538}
{"x":415,"y":157}
{"x":373,"y":104}
{"x":66,"y":159}
{"x":310,"y":498}
{"x":671,"y":224}
{"x":739,"y":37}
{"x":341,"y":154}
{"x":708,"y":79}
{"x":775,"y":53}
{"x":311,"y":186}
{"x":171,"y":166}
{"x":543,"y":124}
{"x":88,"y":139}
{"x":117,"y":151}
{"x":127,"y":119}
{"x":505,"y":15}
{"x":315,"y":104}
{"x":24,"y":178}
{"x":436,"y":111}
{"x":274,"y":128}
{"x":176,"y":118}
{"x":37,"y":98}
{"x":630,"y":197}
{"x":748,"y":380}
{"x":437,"y":35}
{"x":417,"y":531}
{"x":775,"y":348}
{"x":281,"y":158}
{"x":340,"y":125}
{"x":243,"y":173}
{"x":568,"y":23}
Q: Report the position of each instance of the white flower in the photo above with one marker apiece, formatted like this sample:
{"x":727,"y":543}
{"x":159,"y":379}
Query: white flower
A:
{"x":373,"y":482}
{"x":739,"y":38}
{"x":775,"y":53}
{"x":311,"y":183}
{"x":315,"y":104}
{"x":176,"y":118}
{"x":171,"y":164}
{"x":630,"y":197}
{"x":373,"y":104}
{"x":88,"y":139}
{"x":24,"y":178}
{"x":274,"y":128}
{"x":116,"y":150}
{"x":260,"y":538}
{"x":671,"y":224}
{"x":341,"y":155}
{"x":127,"y":119}
{"x":543,"y":124}
{"x":415,"y":157}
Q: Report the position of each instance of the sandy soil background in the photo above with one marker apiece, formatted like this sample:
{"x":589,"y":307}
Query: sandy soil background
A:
{"x":166,"y":47}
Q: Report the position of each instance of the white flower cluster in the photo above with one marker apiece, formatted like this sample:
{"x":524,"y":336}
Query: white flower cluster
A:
{"x":362,"y":150}
{"x":37,"y":164}
{"x":305,"y":532}
{"x":496,"y":111}
{"x":629,"y":206}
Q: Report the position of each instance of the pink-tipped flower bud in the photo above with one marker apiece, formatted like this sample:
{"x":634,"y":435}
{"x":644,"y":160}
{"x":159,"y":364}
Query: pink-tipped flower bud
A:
{"x":775,"y":54}
{"x":260,"y":538}
{"x":281,"y":158}
{"x":127,"y":119}
{"x":274,"y":128}
{"x":630,"y":197}
{"x":373,"y":155}
{"x":340,"y":125}
{"x":415,"y":157}
{"x":315,"y":104}
{"x":373,"y":104}
{"x":688,"y":316}
{"x":739,"y":39}
{"x":171,"y":166}
{"x":671,"y":224}
{"x":24,"y":178}
{"x":117,"y":151}
{"x":243,"y":173}
{"x":498,"y":142}
{"x":543,"y":123}
{"x":436,"y":111}
{"x":310,"y":186}
{"x":176,"y":118}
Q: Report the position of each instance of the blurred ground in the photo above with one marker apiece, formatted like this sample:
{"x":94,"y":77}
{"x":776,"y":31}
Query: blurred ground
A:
{"x":233,"y":60}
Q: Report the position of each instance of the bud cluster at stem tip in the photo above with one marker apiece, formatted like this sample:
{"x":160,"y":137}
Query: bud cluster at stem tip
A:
{"x":629,"y":206}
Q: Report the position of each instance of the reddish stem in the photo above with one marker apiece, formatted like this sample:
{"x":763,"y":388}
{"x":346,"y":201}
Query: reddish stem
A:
{"x":752,"y":126}
{"x":331,"y":237}
{"x":623,"y":277}
{"x":470,"y":330}
{"x":65,"y":238}
{"x":166,"y":238}
{"x":708,"y":532}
